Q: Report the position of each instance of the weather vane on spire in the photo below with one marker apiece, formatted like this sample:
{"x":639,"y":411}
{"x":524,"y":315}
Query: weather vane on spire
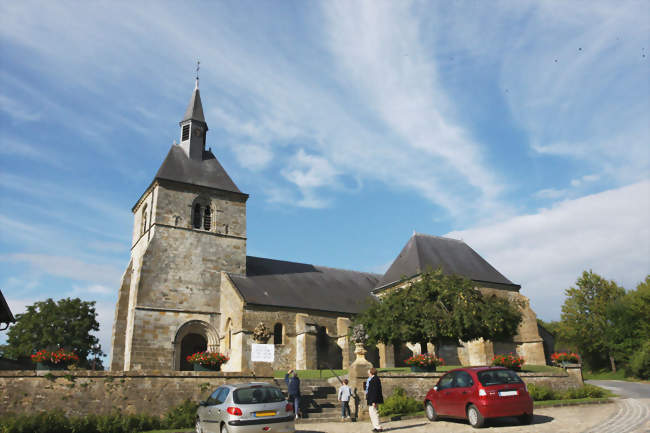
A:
{"x":198,"y":66}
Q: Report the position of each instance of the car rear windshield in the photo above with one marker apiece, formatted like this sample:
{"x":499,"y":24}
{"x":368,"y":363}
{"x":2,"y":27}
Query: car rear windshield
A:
{"x":257,"y":395}
{"x":498,"y":377}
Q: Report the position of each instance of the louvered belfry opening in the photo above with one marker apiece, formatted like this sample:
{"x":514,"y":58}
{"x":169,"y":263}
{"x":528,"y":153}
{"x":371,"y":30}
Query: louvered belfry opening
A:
{"x":207,"y":218}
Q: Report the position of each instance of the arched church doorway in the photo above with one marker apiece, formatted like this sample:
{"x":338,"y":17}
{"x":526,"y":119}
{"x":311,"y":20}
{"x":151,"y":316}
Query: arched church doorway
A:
{"x":328,"y":353}
{"x":191,"y":344}
{"x":191,"y":337}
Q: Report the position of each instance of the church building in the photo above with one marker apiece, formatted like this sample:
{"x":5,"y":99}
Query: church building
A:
{"x":189,"y":285}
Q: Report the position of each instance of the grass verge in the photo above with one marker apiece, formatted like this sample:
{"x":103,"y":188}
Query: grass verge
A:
{"x":546,"y":403}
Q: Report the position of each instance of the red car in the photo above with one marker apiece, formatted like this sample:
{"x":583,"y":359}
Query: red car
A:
{"x":478,"y":393}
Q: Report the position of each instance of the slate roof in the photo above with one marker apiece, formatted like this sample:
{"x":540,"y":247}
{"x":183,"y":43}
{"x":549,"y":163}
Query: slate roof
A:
{"x":194,"y":108}
{"x":5,"y":312}
{"x":178,"y":167}
{"x":452,"y":255}
{"x":304,"y":286}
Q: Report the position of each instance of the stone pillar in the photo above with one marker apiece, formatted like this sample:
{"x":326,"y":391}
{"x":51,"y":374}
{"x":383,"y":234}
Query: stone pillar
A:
{"x":305,"y":343}
{"x":532,"y":352}
{"x":357,"y":375}
{"x":343,"y":325}
{"x":386,"y":355}
{"x":575,"y":372}
{"x":480,"y":352}
{"x":239,"y":352}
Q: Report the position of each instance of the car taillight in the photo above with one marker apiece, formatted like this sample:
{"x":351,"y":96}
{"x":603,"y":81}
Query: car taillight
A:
{"x":234,"y":411}
{"x":481,"y":392}
{"x":288,"y":407}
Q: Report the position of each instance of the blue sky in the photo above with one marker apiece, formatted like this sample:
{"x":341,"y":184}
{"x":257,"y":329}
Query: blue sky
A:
{"x":520,"y":127}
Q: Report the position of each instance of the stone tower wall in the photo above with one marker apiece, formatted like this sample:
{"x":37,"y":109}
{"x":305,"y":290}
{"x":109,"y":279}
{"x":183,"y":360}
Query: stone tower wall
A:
{"x":175,"y":274}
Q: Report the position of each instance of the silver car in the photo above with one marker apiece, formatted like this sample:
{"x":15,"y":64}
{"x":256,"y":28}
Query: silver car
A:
{"x":245,"y":408}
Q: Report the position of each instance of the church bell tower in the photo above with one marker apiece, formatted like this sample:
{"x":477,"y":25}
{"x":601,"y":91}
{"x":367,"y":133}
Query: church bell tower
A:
{"x":189,"y":227}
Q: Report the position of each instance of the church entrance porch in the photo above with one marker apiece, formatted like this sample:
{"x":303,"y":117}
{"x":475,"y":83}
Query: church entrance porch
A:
{"x":191,"y":337}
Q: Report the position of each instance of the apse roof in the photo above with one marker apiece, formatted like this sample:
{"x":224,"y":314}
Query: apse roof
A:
{"x":453,"y":256}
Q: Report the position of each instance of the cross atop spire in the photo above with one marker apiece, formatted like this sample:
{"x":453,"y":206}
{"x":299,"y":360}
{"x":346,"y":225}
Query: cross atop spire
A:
{"x":198,"y":66}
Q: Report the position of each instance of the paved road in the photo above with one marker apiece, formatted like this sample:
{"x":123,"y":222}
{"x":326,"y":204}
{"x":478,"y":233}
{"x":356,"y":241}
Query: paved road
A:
{"x":633,"y":413}
{"x":571,"y":419}
{"x":623,"y":388}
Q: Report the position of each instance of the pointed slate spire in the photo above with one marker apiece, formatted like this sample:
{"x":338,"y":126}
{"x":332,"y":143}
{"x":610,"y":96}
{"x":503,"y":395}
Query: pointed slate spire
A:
{"x":194,"y":108}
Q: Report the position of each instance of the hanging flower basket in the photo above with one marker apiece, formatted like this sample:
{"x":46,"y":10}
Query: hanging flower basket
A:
{"x":58,"y":360}
{"x":423,"y":363}
{"x":207,"y":361}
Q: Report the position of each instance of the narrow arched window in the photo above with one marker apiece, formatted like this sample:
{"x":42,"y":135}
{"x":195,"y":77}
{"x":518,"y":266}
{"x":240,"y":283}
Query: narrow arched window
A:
{"x":207,"y":218}
{"x":143,"y":229}
{"x":277,"y":333}
{"x":196,"y":220}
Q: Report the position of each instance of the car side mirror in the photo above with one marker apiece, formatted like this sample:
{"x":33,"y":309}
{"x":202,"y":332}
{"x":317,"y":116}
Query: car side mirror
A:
{"x":435,"y":388}
{"x":203,"y":403}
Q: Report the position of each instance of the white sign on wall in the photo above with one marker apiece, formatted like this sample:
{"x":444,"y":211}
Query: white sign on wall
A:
{"x":263,"y":352}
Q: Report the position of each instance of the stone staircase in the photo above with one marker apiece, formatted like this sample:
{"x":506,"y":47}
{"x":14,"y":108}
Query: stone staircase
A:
{"x":318,"y":401}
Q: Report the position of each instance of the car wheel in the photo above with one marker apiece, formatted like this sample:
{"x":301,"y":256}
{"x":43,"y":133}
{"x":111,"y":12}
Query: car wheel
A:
{"x":430,"y":411}
{"x":197,"y":426}
{"x":474,"y":417}
{"x":526,"y":418}
{"x":224,"y":429}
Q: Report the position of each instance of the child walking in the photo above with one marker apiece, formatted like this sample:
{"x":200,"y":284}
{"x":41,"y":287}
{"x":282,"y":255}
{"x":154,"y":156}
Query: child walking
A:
{"x":344,"y":398}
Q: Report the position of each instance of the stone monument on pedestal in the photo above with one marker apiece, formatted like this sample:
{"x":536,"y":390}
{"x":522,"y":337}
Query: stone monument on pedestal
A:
{"x":358,"y":371}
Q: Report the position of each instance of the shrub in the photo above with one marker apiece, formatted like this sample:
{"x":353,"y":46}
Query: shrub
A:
{"x":585,"y":391}
{"x":510,"y":361}
{"x":541,"y":392}
{"x":640,"y":362}
{"x":56,"y":421}
{"x":182,"y":415}
{"x":399,"y":403}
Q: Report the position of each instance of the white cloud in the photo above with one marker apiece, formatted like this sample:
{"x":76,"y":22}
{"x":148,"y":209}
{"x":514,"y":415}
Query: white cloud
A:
{"x":252,"y":156}
{"x":546,"y":252}
{"x":67,"y":267}
{"x":308,"y":173}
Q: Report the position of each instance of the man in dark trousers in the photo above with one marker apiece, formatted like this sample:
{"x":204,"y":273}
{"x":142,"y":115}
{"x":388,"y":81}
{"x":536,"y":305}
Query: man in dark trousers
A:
{"x":374,"y":397}
{"x":293,"y":389}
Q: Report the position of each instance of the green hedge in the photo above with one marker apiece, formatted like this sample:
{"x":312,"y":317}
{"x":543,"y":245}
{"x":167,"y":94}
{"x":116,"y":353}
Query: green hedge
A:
{"x":400,"y":404}
{"x":56,"y":421}
{"x":640,"y":362}
{"x":541,"y":393}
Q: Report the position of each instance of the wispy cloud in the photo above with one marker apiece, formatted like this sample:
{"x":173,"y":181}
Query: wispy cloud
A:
{"x":17,"y":110}
{"x":67,"y":267}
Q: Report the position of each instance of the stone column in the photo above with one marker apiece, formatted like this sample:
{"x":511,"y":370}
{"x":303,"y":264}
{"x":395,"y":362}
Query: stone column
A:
{"x":575,"y":372}
{"x":532,"y":352}
{"x":386,"y":355}
{"x":480,"y":352}
{"x":305,"y":343}
{"x":343,"y":341}
{"x":357,"y":375}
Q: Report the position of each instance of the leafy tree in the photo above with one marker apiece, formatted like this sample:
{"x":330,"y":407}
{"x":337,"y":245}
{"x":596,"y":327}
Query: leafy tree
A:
{"x":66,"y":324}
{"x":628,"y":326}
{"x":438,"y":307}
{"x":585,"y":319}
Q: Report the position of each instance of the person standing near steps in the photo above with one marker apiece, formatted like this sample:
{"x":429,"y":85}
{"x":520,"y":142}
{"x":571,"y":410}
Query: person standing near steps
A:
{"x":293,"y":389}
{"x":374,"y":397}
{"x":344,"y":398}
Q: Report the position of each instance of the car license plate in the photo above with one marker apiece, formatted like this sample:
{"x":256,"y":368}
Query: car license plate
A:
{"x":507,"y":393}
{"x":265,"y":413}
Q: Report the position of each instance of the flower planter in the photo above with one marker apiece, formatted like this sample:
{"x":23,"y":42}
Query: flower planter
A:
{"x":46,"y":366}
{"x":427,"y":369}
{"x":201,"y":367}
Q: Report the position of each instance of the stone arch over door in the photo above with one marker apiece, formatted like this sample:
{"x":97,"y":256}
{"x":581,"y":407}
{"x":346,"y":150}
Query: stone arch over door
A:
{"x":189,"y":337}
